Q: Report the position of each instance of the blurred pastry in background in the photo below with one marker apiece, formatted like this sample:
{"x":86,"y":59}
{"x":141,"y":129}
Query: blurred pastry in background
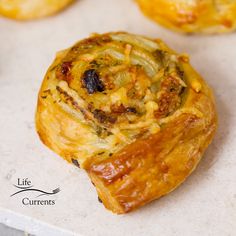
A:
{"x":31,"y":9}
{"x":192,"y":16}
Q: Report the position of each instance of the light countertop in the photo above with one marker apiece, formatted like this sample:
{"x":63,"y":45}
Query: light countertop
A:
{"x":204,"y":205}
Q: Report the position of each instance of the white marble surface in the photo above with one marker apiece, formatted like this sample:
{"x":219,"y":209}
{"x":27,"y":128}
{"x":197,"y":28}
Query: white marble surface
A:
{"x":204,"y":205}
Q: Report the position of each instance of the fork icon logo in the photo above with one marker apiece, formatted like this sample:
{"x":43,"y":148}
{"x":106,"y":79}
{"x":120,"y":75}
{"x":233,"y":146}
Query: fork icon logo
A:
{"x":24,"y":186}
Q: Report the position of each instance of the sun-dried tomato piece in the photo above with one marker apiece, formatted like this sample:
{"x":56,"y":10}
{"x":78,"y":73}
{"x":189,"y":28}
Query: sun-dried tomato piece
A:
{"x":92,"y":82}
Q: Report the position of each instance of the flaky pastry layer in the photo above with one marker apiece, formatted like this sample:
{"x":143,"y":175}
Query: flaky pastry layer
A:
{"x":131,"y":112}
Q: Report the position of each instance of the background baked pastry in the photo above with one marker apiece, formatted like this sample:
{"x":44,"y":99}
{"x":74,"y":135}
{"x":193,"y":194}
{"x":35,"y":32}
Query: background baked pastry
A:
{"x":131,"y":112}
{"x":207,"y":16}
{"x":31,"y":9}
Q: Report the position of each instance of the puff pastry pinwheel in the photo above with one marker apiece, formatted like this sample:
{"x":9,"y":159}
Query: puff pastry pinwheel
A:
{"x":190,"y":16}
{"x":31,"y":9}
{"x":131,"y":112}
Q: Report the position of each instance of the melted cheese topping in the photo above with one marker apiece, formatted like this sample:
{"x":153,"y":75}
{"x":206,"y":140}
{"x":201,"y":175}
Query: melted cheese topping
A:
{"x":131,"y":112}
{"x":118,"y":87}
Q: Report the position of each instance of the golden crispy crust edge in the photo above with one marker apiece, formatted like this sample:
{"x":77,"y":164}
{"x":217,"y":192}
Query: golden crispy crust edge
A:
{"x":192,"y":133}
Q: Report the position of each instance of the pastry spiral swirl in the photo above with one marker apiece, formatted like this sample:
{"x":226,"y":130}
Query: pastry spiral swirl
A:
{"x":31,"y":9}
{"x":130,"y":111}
{"x":190,"y":16}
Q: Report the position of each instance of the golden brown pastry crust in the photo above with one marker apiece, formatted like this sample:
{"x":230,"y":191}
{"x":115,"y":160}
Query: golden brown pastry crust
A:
{"x":131,"y":112}
{"x":31,"y":9}
{"x":190,"y":16}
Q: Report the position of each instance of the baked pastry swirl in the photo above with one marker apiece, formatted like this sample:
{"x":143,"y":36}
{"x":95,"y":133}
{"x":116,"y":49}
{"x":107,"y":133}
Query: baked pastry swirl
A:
{"x":31,"y":9}
{"x":190,"y":16}
{"x":131,"y":112}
